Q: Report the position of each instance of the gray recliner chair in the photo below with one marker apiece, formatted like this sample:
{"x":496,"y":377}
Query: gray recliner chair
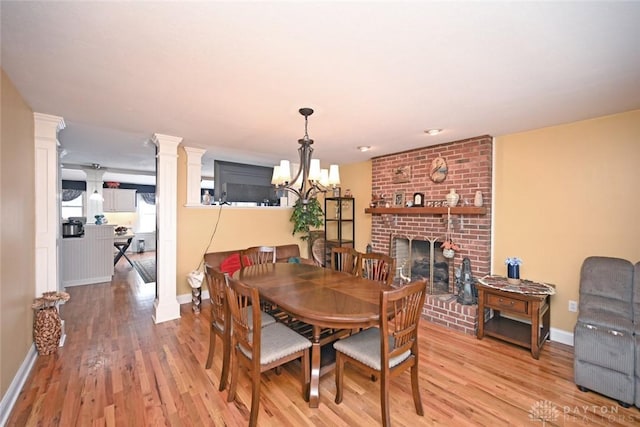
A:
{"x":604,"y":343}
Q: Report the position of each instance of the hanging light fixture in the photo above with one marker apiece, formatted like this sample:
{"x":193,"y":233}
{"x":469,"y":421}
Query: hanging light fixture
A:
{"x":309,"y":180}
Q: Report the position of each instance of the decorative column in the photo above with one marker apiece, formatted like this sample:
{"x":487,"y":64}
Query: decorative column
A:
{"x":47,"y":215}
{"x":194,"y":174}
{"x":166,"y":306}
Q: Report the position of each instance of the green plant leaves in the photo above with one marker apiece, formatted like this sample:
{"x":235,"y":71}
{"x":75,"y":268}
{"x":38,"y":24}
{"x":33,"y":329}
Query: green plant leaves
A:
{"x":306,"y":216}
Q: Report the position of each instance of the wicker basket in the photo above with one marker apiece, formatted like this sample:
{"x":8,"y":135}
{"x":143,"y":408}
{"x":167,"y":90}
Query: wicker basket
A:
{"x":47,"y":330}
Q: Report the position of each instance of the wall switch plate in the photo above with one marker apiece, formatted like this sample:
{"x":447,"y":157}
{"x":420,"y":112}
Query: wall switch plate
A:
{"x":573,"y":306}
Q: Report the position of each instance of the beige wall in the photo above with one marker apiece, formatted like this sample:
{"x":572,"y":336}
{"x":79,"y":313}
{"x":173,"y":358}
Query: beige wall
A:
{"x":243,"y":227}
{"x":17,"y":221}
{"x":238,"y":228}
{"x":357,"y":178}
{"x":565,"y":193}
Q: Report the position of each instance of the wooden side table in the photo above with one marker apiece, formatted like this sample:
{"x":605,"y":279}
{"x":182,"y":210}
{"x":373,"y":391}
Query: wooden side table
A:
{"x":529,"y":307}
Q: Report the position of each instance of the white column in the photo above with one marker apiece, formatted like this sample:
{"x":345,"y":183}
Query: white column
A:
{"x":194,"y":174}
{"x":166,"y":306}
{"x":94,"y":183}
{"x":47,"y":224}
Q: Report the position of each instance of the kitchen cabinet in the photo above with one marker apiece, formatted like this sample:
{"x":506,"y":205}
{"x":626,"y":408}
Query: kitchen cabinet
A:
{"x":117,"y":200}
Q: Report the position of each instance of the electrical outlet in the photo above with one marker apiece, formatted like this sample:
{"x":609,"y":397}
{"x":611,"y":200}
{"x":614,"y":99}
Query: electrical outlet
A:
{"x":573,"y":306}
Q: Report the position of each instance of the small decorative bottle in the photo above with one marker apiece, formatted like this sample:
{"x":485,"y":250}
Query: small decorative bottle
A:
{"x":477,"y":201}
{"x":206,"y":198}
{"x":452,"y":198}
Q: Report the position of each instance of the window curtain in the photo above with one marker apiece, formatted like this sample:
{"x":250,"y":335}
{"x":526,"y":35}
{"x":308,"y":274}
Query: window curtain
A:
{"x":68,"y":195}
{"x":149,"y":198}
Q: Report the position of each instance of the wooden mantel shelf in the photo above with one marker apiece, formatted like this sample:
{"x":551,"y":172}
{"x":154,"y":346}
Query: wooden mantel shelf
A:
{"x":464,"y":210}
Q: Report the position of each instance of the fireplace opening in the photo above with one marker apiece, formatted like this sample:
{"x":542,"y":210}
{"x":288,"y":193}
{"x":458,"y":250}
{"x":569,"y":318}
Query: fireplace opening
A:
{"x":421,"y":259}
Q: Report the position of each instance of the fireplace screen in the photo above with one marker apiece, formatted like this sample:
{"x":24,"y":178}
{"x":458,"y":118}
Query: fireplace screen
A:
{"x":419,"y":259}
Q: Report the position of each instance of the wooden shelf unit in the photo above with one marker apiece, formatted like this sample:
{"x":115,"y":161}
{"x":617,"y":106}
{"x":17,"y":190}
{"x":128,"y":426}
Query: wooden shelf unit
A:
{"x":462,"y":210}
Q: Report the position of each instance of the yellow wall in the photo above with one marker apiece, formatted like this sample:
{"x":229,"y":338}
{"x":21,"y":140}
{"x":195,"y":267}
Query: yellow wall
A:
{"x":243,"y":227}
{"x":357,"y":178}
{"x":238,"y":228}
{"x":17,"y":220}
{"x":565,"y":193}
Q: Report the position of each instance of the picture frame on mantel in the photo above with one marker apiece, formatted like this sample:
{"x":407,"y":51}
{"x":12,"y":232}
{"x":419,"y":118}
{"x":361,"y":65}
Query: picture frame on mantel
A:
{"x":401,"y":175}
{"x":398,"y":199}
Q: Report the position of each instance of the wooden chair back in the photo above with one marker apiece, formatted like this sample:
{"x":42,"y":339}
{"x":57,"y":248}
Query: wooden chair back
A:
{"x":345,"y":259}
{"x":318,"y":252}
{"x":216,"y":283}
{"x":258,"y":255}
{"x":241,"y":299}
{"x":378,"y":267}
{"x":399,"y":330}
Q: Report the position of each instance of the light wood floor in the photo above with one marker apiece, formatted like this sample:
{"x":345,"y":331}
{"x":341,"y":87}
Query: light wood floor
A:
{"x":118,"y":368}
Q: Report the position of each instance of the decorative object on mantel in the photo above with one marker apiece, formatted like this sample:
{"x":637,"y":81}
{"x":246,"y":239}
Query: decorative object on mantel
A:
{"x":47,"y":325}
{"x":477,"y":200}
{"x":439,"y":170}
{"x":513,"y":270}
{"x":401,"y":174}
{"x":418,"y":200}
{"x":398,"y":199}
{"x":524,"y":287}
{"x":310,"y":179}
{"x":452,"y":198}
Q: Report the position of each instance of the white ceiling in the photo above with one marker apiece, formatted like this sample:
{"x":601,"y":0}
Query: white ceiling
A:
{"x":230,"y":77}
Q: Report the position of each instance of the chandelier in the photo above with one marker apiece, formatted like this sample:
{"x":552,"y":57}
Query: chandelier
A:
{"x":309,"y":180}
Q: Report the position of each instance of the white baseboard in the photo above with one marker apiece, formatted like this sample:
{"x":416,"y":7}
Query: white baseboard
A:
{"x":10,"y":397}
{"x":563,"y":337}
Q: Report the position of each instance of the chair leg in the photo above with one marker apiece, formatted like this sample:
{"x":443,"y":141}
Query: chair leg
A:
{"x":255,"y":397}
{"x":234,"y":378}
{"x":416,"y":389}
{"x":339,"y":368}
{"x":212,"y":348}
{"x":384,"y":399}
{"x":306,"y":380}
{"x":226,"y":356}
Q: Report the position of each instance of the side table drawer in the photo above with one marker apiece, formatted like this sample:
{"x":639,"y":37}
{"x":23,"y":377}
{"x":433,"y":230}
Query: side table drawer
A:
{"x":511,"y":304}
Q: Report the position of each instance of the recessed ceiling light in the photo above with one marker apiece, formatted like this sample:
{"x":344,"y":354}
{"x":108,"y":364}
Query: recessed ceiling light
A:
{"x":364,"y":148}
{"x":433,"y":131}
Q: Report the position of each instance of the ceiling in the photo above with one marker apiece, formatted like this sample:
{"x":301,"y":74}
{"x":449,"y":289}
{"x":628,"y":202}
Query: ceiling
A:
{"x":229,"y":77}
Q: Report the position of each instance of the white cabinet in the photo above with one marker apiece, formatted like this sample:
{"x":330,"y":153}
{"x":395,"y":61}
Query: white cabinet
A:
{"x":117,"y":200}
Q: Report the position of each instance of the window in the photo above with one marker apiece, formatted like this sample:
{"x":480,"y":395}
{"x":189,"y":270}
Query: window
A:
{"x":146,"y":216}
{"x":73,"y":207}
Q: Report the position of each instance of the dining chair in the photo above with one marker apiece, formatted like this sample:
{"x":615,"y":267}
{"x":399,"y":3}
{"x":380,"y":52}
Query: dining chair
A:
{"x":216,"y":283}
{"x":258,"y":255}
{"x":345,"y":259}
{"x":390,"y":349}
{"x":378,"y":267}
{"x":274,"y":346}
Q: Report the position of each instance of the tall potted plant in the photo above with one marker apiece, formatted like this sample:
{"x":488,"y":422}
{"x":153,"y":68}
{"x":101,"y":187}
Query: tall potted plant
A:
{"x":306,"y":216}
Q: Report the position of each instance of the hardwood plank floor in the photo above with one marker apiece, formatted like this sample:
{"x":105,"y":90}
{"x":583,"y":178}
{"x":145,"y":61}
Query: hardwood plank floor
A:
{"x":118,"y":368}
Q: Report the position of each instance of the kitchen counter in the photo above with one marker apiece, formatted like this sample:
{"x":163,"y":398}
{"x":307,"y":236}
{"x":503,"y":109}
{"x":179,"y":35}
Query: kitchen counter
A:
{"x":88,"y":259}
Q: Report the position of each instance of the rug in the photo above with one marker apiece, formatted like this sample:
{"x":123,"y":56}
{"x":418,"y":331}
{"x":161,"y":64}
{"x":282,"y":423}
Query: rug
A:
{"x":146,"y":268}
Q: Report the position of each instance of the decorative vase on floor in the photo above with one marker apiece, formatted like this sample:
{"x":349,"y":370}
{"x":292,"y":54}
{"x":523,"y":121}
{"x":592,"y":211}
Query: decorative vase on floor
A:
{"x":452,"y":198}
{"x":513,"y":274}
{"x":47,"y":330}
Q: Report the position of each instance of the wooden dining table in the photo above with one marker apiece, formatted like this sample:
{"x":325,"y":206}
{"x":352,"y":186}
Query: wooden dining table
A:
{"x":319,"y":296}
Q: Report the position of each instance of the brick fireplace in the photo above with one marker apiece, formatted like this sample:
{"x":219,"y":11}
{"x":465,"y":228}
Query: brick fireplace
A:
{"x":469,"y":162}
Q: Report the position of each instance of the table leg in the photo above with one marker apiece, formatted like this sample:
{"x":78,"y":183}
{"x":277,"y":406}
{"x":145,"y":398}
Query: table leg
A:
{"x":314,"y":386}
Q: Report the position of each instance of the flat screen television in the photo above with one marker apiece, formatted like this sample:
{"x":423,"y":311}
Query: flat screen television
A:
{"x":239,"y":182}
